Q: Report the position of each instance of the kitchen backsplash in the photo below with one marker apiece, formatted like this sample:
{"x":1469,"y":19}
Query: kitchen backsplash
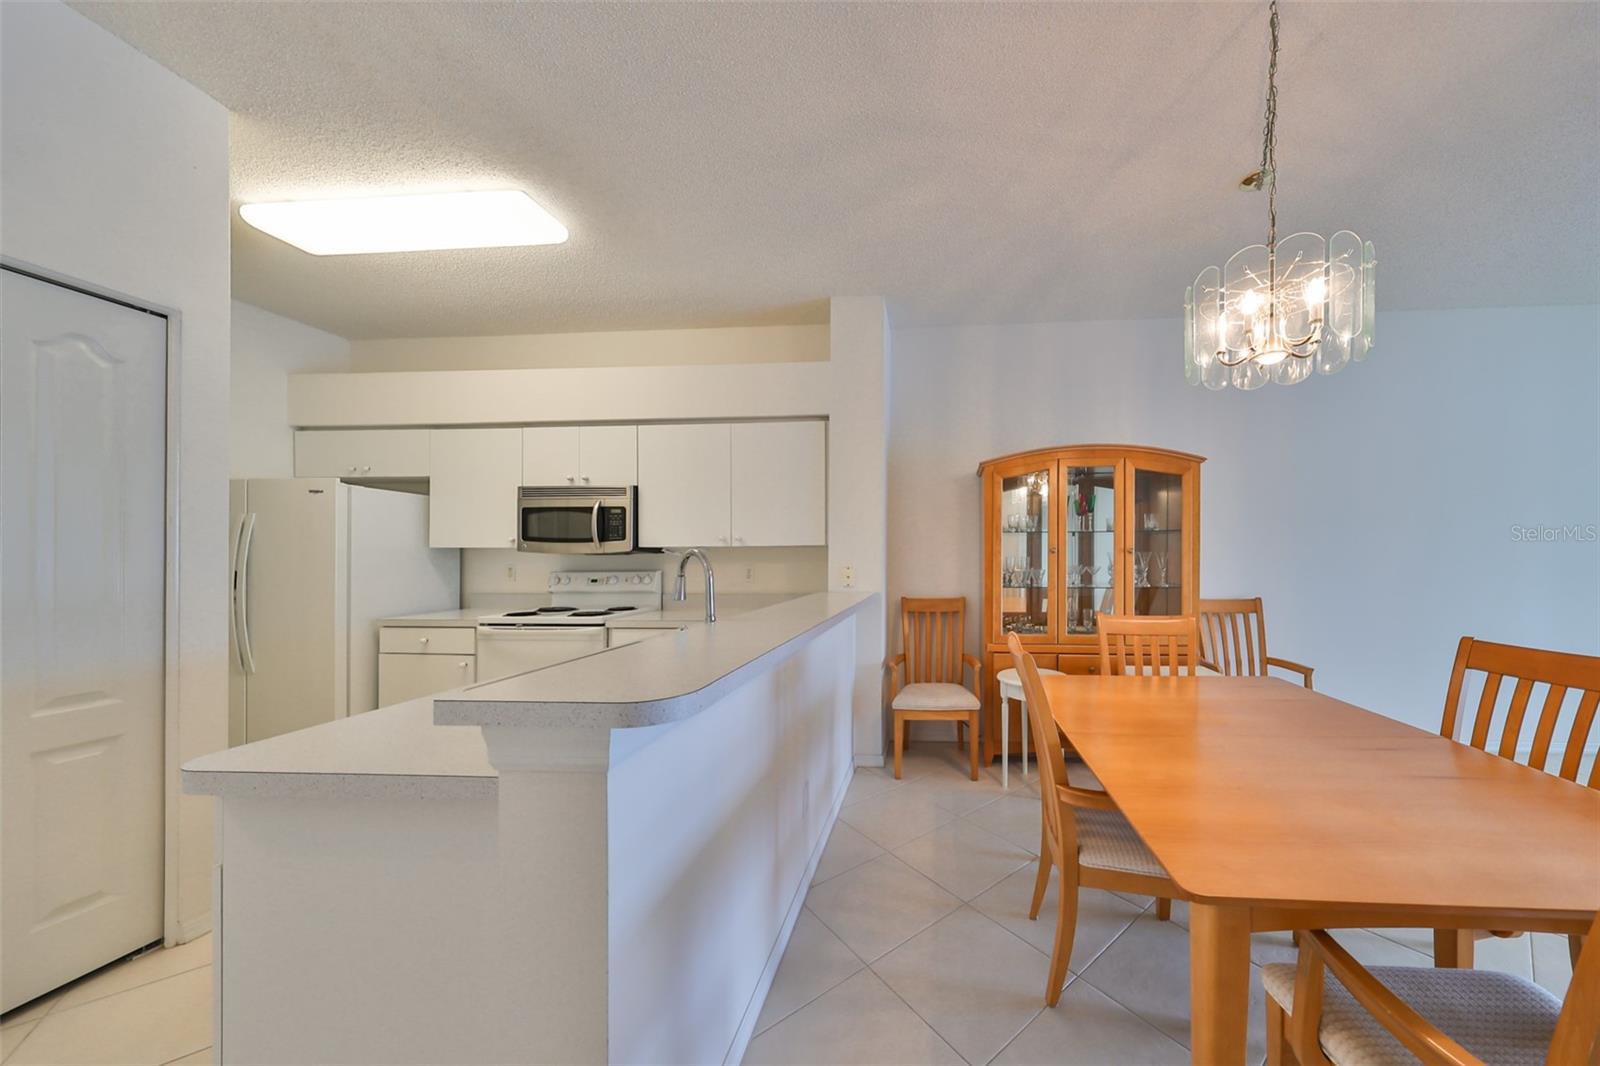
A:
{"x":498,"y":572}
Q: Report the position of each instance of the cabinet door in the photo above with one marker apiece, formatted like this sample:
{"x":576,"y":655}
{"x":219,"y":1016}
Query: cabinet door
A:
{"x":1161,"y":512}
{"x":1022,"y":554}
{"x":779,"y":483}
{"x":684,"y":497}
{"x":361,"y":453}
{"x":550,"y":455}
{"x":609,"y":454}
{"x":405,"y":677}
{"x":473,"y":485}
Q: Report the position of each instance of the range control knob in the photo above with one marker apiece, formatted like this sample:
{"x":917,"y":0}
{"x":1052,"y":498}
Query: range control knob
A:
{"x":612,"y":580}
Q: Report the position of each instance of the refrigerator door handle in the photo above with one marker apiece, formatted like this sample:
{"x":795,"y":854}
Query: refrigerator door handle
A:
{"x":247,"y":534}
{"x":233,"y":608}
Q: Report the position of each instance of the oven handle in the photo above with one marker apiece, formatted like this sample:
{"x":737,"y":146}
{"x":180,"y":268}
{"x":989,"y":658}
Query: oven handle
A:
{"x":516,"y":631}
{"x":594,"y":524}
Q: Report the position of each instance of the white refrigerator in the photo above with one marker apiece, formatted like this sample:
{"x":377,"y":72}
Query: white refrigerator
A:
{"x":316,"y":564}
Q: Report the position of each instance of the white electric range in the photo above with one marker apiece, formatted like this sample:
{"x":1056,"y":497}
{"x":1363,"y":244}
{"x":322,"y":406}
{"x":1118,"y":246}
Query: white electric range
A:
{"x":574,"y":625}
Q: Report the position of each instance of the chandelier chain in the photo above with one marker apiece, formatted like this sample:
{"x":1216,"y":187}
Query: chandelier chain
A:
{"x":1269,"y":138}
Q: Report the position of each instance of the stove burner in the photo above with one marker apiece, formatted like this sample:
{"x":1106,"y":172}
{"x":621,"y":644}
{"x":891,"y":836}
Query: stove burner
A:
{"x":590,"y":614}
{"x":619,"y":610}
{"x":538,"y":611}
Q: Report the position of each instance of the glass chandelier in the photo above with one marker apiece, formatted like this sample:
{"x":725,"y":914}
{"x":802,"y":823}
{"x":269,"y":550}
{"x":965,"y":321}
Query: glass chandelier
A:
{"x":1278,"y":311}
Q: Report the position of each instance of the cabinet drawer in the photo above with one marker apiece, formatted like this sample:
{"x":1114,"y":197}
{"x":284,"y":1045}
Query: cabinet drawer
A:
{"x":422,"y":640}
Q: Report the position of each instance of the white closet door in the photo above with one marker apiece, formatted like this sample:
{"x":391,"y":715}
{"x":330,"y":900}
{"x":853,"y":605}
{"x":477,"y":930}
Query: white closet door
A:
{"x":683,"y":486}
{"x":83,"y":413}
{"x":780,"y":484}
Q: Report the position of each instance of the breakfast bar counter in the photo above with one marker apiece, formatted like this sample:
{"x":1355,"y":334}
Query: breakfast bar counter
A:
{"x":599,"y":861}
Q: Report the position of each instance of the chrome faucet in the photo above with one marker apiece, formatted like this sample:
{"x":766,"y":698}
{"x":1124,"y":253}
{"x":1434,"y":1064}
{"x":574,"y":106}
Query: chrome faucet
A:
{"x":711,"y":581}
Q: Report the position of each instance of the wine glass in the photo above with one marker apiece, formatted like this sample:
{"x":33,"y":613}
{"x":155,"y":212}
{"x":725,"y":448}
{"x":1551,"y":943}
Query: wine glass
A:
{"x":1141,"y":570}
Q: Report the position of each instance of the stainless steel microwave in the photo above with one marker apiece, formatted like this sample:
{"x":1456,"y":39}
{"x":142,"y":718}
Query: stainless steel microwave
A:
{"x":578,"y":519}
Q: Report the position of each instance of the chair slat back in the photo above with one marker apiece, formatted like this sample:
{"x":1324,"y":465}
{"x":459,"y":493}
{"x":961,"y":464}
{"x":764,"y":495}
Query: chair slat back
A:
{"x":932,"y":635}
{"x":1046,"y":738}
{"x":1233,"y":636}
{"x":1159,"y":646}
{"x":1561,"y":673}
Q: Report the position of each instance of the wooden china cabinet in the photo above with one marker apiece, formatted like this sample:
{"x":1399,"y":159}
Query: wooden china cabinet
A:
{"x":1072,"y":533}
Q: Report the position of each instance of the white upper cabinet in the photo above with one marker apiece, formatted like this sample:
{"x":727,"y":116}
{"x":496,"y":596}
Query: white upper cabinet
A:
{"x":550,"y":455}
{"x":748,"y":485}
{"x":779,"y":484}
{"x":361,"y":453}
{"x":609,"y":455}
{"x":580,"y":455}
{"x":474,"y":477}
{"x":684,"y":488}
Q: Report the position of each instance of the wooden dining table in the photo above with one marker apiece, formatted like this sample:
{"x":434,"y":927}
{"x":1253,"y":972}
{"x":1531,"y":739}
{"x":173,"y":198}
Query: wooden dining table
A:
{"x":1274,"y":807}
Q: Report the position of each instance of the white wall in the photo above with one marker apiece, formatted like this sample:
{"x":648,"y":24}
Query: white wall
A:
{"x":267,"y":348}
{"x":114,"y":172}
{"x":646,"y":347}
{"x":1373,"y":510}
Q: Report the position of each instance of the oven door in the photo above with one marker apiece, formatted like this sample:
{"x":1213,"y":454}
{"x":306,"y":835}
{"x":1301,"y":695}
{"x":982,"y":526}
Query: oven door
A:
{"x":576,"y":521}
{"x":504,"y":650}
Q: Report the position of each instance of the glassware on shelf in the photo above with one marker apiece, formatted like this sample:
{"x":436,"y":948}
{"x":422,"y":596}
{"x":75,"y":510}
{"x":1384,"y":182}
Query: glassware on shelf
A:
{"x":1161,"y":569}
{"x":1150,"y":520}
{"x":1141,"y":570}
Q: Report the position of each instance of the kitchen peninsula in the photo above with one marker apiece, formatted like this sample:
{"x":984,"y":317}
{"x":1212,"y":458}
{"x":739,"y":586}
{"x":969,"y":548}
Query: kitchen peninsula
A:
{"x":597,"y":861}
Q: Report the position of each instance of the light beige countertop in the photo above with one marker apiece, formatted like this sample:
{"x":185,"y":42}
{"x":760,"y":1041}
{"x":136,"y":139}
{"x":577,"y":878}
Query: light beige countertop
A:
{"x":664,"y":679}
{"x":395,"y":750}
{"x":419,"y":748}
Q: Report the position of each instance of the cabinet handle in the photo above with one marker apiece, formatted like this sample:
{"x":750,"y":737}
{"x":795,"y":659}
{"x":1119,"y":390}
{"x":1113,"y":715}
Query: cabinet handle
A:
{"x":462,"y":664}
{"x":423,"y":639}
{"x":570,"y":479}
{"x":366,"y":470}
{"x":586,"y":479}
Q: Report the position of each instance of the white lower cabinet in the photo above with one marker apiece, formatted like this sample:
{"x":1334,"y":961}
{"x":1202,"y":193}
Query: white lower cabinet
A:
{"x":403,"y":676}
{"x":473,"y":480}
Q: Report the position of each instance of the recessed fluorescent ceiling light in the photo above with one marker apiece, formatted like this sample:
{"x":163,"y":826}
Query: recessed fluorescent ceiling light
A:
{"x":424,"y":223}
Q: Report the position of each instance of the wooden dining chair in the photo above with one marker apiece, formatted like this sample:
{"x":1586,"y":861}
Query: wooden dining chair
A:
{"x":1088,"y":841}
{"x":1401,"y":1014}
{"x":1563,"y":675}
{"x":1131,"y":645}
{"x":1233,"y":640}
{"x":932,"y":665}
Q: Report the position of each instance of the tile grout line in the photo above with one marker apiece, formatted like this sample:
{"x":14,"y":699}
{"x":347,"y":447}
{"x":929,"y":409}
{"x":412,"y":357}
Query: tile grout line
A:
{"x":186,"y":1054}
{"x":928,"y":1022}
{"x":775,"y":1022}
{"x":121,"y":991}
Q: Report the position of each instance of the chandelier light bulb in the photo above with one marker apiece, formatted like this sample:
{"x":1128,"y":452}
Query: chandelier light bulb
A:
{"x":1301,"y":303}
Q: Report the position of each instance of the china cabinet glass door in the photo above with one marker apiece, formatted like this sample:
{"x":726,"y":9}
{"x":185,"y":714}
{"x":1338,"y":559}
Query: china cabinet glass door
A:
{"x":1025,"y":553}
{"x":1157,"y":562}
{"x":1089,"y":571}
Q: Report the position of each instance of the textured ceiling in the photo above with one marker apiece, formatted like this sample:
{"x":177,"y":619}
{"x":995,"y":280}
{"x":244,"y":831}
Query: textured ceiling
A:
{"x":722,"y":164}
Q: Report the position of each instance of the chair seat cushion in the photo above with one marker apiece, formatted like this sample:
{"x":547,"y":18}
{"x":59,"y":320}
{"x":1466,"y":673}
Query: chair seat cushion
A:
{"x":935,"y":696}
{"x":1107,"y":842}
{"x":1503,"y":1019}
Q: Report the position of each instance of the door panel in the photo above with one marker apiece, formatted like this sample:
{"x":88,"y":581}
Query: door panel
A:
{"x":82,"y":661}
{"x":610,"y":454}
{"x":780,"y":483}
{"x":684,"y":492}
{"x":294,"y":578}
{"x":474,"y":475}
{"x":405,"y":677}
{"x":550,"y":455}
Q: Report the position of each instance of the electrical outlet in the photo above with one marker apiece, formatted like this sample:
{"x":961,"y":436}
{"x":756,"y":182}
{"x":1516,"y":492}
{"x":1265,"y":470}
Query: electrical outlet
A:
{"x":749,"y":574}
{"x":511,"y":573}
{"x":847,"y":576}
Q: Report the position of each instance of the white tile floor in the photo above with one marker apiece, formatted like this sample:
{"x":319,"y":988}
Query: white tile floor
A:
{"x":915,"y":945}
{"x":149,"y":1010}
